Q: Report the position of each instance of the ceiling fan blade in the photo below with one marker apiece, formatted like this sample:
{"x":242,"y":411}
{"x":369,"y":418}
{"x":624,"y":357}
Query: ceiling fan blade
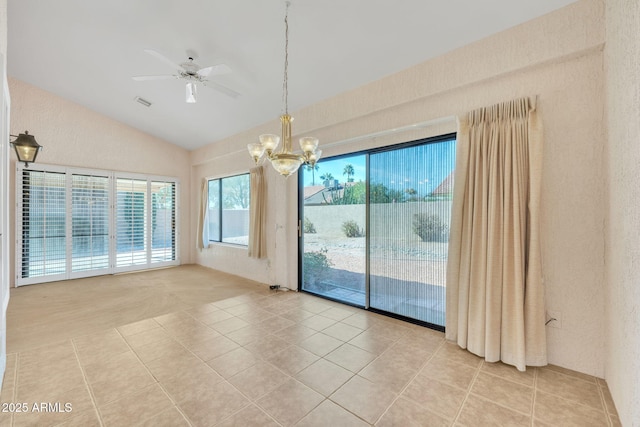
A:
{"x":222,"y":89}
{"x":214,"y":70}
{"x":164,"y":59}
{"x":163,"y":77}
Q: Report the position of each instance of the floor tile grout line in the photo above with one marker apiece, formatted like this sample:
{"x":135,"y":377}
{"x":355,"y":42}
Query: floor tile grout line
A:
{"x":175,"y":404}
{"x":495,"y":375}
{"x":535,"y":395}
{"x":575,"y":402}
{"x":245,"y":407}
{"x":251,"y":401}
{"x":399,"y":395}
{"x":532,"y":387}
{"x":297,"y":421}
{"x":263,"y":359}
{"x":15,"y":387}
{"x":466,"y":396}
{"x":474,"y":380}
{"x":86,"y":382}
{"x":378,"y":357}
{"x":488,"y":399}
{"x":325,"y":398}
{"x":604,"y":405}
{"x":346,"y":409}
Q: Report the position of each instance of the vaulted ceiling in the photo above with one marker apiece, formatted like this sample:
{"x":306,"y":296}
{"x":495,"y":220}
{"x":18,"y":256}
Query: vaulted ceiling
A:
{"x":88,"y":50}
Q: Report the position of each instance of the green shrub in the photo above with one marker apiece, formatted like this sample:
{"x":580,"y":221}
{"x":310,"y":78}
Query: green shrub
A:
{"x":308,"y":226}
{"x":314,"y":265}
{"x":351,"y":229}
{"x":430,"y":227}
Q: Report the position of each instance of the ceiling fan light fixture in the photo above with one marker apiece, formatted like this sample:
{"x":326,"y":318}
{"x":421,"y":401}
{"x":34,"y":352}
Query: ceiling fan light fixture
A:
{"x":191,"y":93}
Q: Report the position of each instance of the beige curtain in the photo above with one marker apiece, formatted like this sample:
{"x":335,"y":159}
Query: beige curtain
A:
{"x":257,"y":213}
{"x":202,"y":239}
{"x":495,"y":294}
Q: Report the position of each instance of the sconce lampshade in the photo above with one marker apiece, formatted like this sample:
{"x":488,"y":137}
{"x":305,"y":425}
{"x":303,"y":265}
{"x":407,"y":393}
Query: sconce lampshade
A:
{"x":26,"y":148}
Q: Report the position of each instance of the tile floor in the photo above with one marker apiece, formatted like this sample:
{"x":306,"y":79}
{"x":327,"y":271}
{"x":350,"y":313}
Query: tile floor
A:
{"x":266,"y":358}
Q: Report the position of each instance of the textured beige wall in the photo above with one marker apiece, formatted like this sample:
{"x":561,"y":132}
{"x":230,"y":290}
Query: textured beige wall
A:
{"x":557,"y":57}
{"x":73,"y":135}
{"x":623,"y":219}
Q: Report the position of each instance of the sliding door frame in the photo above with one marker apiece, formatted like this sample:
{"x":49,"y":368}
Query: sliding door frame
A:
{"x":367,"y":154}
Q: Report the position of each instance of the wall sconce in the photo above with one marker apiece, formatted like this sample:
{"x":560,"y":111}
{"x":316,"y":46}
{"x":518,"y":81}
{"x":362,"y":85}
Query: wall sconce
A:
{"x":26,"y":147}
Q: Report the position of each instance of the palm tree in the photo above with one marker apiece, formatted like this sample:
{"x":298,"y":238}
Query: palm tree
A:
{"x":326,"y":177}
{"x":313,"y":170}
{"x":349,"y":171}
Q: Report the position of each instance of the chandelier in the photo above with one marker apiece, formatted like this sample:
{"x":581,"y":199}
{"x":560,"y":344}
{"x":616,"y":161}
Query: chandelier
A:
{"x":285,"y":161}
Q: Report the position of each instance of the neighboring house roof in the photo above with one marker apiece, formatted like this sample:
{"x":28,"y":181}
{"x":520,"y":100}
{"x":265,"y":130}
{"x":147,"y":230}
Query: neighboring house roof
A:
{"x":321,"y":195}
{"x":445,"y":187}
{"x":311,"y":190}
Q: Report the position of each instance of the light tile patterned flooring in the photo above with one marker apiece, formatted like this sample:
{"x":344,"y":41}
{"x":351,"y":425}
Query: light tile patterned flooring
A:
{"x":268,"y":358}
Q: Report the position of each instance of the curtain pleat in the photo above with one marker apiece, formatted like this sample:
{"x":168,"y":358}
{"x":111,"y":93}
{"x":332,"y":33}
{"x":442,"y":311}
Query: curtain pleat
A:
{"x":202,"y":237}
{"x":257,"y":213}
{"x":495,"y":295}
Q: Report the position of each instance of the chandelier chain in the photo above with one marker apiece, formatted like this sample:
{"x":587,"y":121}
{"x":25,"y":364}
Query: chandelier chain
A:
{"x":284,"y":160}
{"x":285,"y":81}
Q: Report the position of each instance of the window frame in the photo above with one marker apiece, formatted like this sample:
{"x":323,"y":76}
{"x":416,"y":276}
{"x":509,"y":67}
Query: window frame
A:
{"x":221,"y":230}
{"x":113,"y":267}
{"x":368,"y":152}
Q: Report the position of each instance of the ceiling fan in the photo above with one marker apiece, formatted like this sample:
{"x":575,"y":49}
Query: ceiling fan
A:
{"x":192,"y":73}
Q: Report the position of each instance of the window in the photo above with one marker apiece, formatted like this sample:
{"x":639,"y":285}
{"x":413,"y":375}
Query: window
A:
{"x":78,"y":223}
{"x":43,"y":224}
{"x":229,"y":210}
{"x":131,"y":222}
{"x":89,"y":222}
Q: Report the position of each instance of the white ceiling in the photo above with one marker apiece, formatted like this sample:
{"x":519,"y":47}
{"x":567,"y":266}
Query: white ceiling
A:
{"x":88,"y":50}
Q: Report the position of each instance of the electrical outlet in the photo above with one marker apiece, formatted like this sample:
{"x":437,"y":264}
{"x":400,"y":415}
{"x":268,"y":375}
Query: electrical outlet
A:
{"x":554,"y":319}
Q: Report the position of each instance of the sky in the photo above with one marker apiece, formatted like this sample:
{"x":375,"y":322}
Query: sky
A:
{"x":422,"y":167}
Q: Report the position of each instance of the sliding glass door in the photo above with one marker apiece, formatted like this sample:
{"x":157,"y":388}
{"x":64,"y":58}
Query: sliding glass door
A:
{"x":334,"y":228}
{"x":409,"y":229}
{"x":376,"y":232}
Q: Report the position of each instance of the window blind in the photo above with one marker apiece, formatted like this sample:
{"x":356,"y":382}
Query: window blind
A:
{"x":43,"y":224}
{"x":89,"y":222}
{"x":163,"y":221}
{"x":78,"y":223}
{"x":131,"y":222}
